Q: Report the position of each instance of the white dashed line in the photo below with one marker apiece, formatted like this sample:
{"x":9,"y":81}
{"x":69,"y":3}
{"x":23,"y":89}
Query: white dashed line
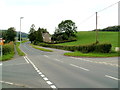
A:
{"x":48,"y":82}
{"x":53,"y":86}
{"x":46,"y":56}
{"x":59,"y":60}
{"x":79,"y":67}
{"x":111,"y":77}
{"x":45,"y":79}
{"x":42,"y":75}
{"x":39,"y":73}
{"x":105,"y":63}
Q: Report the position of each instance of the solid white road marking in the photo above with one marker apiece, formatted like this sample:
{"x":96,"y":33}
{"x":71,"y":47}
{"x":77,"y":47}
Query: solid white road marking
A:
{"x":79,"y":67}
{"x":26,"y":60}
{"x":111,"y":77}
{"x":0,"y":64}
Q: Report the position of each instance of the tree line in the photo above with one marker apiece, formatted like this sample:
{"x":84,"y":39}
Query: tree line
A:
{"x":64,"y":32}
{"x":8,"y":35}
{"x":110,"y":28}
{"x":36,"y":36}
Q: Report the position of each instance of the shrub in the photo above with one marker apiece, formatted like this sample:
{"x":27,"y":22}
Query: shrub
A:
{"x":8,"y":48}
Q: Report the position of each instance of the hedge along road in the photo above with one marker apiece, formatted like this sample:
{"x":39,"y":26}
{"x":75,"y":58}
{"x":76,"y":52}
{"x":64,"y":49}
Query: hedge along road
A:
{"x":54,"y":70}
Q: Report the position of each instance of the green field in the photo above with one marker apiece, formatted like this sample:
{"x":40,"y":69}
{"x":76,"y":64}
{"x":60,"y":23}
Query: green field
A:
{"x":88,"y":37}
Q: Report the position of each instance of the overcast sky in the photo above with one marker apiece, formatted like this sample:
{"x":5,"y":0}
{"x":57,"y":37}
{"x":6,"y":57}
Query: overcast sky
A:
{"x":49,"y":13}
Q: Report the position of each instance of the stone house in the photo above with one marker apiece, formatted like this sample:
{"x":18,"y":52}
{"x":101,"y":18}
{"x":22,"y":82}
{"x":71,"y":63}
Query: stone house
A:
{"x":46,"y":37}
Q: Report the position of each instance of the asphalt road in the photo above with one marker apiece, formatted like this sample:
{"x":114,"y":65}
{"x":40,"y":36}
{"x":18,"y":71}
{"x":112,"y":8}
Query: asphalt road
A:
{"x":39,"y":69}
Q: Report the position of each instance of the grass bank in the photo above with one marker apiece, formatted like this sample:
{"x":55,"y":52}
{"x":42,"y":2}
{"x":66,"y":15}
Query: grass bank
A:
{"x":20,"y":53}
{"x":88,"y":37}
{"x":42,"y":49}
{"x":79,"y":54}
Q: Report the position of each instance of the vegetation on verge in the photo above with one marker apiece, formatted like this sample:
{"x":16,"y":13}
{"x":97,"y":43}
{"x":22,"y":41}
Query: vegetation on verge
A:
{"x":102,"y":48}
{"x":8,"y":51}
{"x":79,"y":54}
{"x":20,"y":53}
{"x":39,"y":48}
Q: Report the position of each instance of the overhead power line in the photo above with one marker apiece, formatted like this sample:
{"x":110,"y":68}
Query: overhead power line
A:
{"x":108,"y":6}
{"x":87,"y":18}
{"x":98,"y":12}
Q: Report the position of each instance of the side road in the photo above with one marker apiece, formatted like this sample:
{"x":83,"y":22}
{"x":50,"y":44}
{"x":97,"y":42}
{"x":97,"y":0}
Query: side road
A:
{"x":113,"y":61}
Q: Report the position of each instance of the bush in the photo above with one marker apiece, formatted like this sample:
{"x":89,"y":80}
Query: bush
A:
{"x":101,"y":48}
{"x":8,"y":48}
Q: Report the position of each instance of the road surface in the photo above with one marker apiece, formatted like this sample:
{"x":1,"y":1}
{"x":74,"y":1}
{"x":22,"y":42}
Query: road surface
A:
{"x":39,"y":69}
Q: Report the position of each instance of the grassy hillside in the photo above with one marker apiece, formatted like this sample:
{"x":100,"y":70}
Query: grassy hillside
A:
{"x":87,"y":37}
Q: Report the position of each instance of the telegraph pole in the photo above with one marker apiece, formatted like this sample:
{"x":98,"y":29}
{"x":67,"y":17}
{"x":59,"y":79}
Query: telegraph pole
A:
{"x":96,"y":27}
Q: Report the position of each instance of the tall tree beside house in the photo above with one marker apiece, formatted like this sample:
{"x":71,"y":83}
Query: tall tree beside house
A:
{"x":39,"y":37}
{"x":66,"y":31}
{"x":68,"y":26}
{"x":32,"y":33}
{"x":43,"y":30}
{"x":10,"y":34}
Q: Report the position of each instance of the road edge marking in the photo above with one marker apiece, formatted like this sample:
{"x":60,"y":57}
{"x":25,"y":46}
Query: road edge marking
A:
{"x":112,"y":77}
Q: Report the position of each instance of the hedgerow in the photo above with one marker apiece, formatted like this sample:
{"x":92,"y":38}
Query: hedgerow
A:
{"x":101,"y":48}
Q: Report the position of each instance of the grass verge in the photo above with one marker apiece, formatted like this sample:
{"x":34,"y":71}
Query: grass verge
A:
{"x":79,"y":54}
{"x":42,"y":49}
{"x":7,"y":56}
{"x":20,"y":53}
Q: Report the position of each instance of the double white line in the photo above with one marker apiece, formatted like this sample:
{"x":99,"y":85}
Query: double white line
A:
{"x":26,"y":59}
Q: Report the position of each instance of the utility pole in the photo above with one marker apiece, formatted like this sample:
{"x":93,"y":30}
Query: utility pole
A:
{"x":96,"y":27}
